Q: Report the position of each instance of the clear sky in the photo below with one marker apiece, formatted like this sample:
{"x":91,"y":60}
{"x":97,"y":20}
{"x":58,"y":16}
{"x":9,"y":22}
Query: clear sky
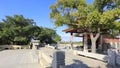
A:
{"x":34,"y":9}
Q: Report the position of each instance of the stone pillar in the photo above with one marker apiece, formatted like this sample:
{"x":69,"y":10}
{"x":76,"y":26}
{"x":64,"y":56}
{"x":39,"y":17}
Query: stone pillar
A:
{"x":33,"y":47}
{"x":118,"y":59}
{"x":116,"y":45}
{"x":111,"y":44}
{"x":111,"y":57}
{"x":58,"y":59}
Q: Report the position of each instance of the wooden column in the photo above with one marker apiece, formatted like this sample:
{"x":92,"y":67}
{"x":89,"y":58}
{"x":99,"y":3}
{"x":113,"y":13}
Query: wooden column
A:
{"x":71,"y":40}
{"x":101,"y":42}
{"x":85,"y":43}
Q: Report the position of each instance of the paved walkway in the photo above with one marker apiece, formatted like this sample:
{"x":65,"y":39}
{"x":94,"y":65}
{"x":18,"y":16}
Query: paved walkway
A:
{"x":29,"y":59}
{"x":73,"y":61}
{"x":19,"y":59}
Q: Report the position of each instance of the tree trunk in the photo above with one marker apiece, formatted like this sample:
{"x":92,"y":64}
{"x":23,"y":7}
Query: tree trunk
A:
{"x":93,"y":41}
{"x":85,"y":43}
{"x":93,"y":45}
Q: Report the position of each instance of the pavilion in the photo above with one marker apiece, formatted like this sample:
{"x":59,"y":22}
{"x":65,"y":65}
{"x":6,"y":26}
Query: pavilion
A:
{"x":103,"y":39}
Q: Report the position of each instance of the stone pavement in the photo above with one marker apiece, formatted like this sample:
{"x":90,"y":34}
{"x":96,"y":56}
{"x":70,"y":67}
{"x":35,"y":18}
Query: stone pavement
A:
{"x":19,"y":59}
{"x":73,"y":61}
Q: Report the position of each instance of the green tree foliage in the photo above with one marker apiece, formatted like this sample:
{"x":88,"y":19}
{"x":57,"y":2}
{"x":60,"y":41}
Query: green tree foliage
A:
{"x":14,"y":30}
{"x":46,"y":35}
{"x":102,"y":13}
{"x":20,"y":30}
{"x":90,"y":18}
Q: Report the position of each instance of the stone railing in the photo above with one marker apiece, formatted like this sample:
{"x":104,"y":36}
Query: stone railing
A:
{"x":113,"y":57}
{"x":11,"y":46}
{"x":16,"y":47}
{"x":48,"y":46}
{"x":92,"y":55}
{"x":118,"y":59}
{"x":55,"y":60}
{"x":6,"y":46}
{"x":45,"y":60}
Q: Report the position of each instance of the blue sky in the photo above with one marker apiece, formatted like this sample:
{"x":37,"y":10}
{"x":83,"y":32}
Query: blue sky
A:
{"x":34,"y":9}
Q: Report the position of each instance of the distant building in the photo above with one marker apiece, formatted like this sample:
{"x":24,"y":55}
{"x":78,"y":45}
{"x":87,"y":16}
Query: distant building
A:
{"x":34,"y":44}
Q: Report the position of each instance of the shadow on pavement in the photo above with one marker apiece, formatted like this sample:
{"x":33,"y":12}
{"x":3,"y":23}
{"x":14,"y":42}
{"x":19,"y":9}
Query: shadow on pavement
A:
{"x":77,"y":64}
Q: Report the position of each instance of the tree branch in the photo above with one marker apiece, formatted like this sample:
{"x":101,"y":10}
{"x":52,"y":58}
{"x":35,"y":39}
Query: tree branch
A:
{"x":97,"y":35}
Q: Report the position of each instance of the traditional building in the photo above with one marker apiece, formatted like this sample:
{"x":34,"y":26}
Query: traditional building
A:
{"x":102,"y":44}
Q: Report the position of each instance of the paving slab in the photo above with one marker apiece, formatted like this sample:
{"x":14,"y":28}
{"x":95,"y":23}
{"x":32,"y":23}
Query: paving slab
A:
{"x":19,"y":59}
{"x":73,"y":61}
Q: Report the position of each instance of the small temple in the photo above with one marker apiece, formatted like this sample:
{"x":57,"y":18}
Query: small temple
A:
{"x":103,"y":43}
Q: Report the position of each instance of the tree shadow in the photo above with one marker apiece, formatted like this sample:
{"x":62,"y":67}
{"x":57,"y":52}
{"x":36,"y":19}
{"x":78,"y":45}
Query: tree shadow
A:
{"x":77,"y":64}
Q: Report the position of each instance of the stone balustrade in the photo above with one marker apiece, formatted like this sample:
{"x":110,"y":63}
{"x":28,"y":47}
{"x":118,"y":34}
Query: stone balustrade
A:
{"x":45,"y":61}
{"x":16,"y":47}
{"x":92,"y":55}
{"x":46,"y":58}
{"x":48,"y":46}
{"x":11,"y":46}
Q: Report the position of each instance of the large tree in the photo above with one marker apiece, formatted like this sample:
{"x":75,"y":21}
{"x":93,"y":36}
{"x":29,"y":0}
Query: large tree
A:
{"x":92,"y":19}
{"x":15,"y":29}
{"x":45,"y":35}
{"x":19,"y":30}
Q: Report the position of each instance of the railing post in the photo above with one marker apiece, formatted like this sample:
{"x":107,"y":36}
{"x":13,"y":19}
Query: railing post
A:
{"x":111,"y":57}
{"x":58,"y":59}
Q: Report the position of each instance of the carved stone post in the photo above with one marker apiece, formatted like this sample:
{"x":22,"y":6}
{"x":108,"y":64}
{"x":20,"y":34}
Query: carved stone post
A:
{"x":58,"y":59}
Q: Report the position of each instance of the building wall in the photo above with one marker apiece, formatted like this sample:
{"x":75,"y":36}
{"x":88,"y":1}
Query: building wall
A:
{"x":113,"y":42}
{"x":109,"y":40}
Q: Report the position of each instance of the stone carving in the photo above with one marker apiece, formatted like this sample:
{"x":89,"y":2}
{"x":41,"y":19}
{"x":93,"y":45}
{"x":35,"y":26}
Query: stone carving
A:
{"x":58,"y":59}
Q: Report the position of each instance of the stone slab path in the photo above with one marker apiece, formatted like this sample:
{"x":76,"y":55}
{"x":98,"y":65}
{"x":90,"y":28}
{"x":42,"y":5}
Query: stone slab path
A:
{"x":73,"y":61}
{"x":19,"y":59}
